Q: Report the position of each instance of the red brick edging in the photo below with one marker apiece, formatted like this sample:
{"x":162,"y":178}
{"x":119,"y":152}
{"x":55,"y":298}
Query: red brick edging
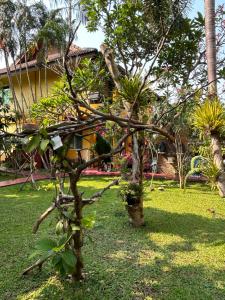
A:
{"x":94,"y":173}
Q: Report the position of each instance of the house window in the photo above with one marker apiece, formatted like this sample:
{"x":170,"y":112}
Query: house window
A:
{"x":5,"y":95}
{"x":95,"y":97}
{"x":76,"y":142}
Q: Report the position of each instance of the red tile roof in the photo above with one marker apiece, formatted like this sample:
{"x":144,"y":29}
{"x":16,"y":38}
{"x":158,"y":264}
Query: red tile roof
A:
{"x":75,"y":51}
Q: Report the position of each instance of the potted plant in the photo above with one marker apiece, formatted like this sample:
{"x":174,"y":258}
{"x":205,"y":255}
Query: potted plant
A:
{"x":131,"y":193}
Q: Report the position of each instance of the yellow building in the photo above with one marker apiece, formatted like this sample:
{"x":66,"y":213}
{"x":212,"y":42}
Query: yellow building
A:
{"x":32,"y":79}
{"x":29,"y":80}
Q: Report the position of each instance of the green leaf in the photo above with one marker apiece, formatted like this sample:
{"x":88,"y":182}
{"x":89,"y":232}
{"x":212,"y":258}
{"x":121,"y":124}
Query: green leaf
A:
{"x":56,"y":259}
{"x":33,"y":144}
{"x":43,"y":132}
{"x":69,"y":258}
{"x":68,"y":269}
{"x":44,"y":144}
{"x":88,"y":221}
{"x":45,"y":245}
{"x":43,"y":255}
{"x":58,"y":264}
{"x":58,"y":248}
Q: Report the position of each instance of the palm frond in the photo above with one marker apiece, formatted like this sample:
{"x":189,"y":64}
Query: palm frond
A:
{"x":131,"y":90}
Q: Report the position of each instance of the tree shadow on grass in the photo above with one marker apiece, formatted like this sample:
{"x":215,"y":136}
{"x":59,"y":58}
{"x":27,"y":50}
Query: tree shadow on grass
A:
{"x":129,"y":264}
{"x":126,"y":263}
{"x":153,"y":269}
{"x":195,"y":228}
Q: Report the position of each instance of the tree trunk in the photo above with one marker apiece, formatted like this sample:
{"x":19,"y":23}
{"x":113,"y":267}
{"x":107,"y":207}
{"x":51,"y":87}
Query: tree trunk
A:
{"x":27,"y":72}
{"x":9,"y":75}
{"x":135,"y":212}
{"x":218,"y":161}
{"x":23,"y":99}
{"x":39,"y":81}
{"x":78,"y":235}
{"x":113,"y":70}
{"x":212,"y":91}
{"x":210,"y":32}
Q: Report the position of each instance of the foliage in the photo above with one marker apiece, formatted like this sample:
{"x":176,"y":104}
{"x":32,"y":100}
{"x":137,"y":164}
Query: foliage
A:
{"x":180,"y":51}
{"x":131,"y":193}
{"x":211,"y":172}
{"x":56,"y":107}
{"x":7,"y":11}
{"x":6,"y":116}
{"x":53,"y":30}
{"x":89,"y":76}
{"x":132,"y":28}
{"x":209,"y":117}
{"x":137,"y":93}
{"x":204,"y":165}
{"x":208,"y":167}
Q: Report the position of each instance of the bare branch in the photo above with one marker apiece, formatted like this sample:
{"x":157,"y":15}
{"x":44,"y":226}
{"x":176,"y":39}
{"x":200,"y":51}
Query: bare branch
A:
{"x":97,"y":195}
{"x":38,"y":264}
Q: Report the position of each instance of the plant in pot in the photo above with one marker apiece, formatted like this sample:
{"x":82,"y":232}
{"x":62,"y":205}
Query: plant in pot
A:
{"x":132,"y":193}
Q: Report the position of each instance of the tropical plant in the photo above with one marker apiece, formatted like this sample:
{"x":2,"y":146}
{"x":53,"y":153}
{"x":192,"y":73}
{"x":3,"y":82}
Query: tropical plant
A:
{"x":211,"y":57}
{"x":209,"y":117}
{"x":138,"y":94}
{"x":211,"y":172}
{"x":136,"y":32}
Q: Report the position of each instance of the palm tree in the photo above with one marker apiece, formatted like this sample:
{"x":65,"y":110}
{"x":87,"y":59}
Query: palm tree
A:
{"x":212,"y":89}
{"x":25,"y":27}
{"x":8,"y":42}
{"x":210,"y":32}
{"x":52,"y":33}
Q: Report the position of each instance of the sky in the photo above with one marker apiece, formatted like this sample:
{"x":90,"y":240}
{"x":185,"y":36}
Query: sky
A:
{"x":94,"y":40}
{"x":86,"y":39}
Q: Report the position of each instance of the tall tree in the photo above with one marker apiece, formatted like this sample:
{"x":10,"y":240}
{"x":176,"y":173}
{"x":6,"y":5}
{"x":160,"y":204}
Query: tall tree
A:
{"x":33,"y":26}
{"x":212,"y":90}
{"x":136,"y":32}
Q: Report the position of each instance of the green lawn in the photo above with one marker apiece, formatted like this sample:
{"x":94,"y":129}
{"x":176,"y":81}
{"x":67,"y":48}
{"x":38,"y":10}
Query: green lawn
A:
{"x":5,"y":176}
{"x":179,"y":254}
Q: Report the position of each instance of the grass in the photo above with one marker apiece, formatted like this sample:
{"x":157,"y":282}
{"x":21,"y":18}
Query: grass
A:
{"x":179,"y":254}
{"x":5,"y":176}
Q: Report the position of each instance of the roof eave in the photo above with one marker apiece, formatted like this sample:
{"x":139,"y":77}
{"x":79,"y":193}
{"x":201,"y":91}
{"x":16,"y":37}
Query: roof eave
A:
{"x":35,"y":66}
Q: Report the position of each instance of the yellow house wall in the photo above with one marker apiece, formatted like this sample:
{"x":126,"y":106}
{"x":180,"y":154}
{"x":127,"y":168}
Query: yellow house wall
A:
{"x":88,"y":142}
{"x":38,"y":85}
{"x":23,"y":92}
{"x":38,"y":79}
